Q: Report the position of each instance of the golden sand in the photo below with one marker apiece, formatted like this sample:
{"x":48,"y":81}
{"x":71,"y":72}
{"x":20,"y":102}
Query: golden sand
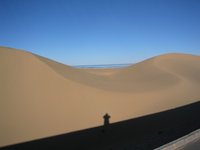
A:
{"x":40,"y":97}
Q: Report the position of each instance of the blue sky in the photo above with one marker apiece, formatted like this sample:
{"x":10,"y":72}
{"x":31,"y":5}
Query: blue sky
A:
{"x":78,"y":32}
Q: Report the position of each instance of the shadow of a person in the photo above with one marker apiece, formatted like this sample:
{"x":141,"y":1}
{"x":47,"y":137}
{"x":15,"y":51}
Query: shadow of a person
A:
{"x":106,"y":118}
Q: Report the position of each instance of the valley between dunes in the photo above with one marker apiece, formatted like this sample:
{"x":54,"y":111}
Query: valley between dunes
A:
{"x":40,"y":97}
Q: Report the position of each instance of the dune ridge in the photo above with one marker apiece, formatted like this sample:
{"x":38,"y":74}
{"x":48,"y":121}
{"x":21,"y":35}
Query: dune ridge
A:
{"x":41,"y":97}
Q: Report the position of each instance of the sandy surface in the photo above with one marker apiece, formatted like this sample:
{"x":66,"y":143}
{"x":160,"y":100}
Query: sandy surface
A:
{"x":40,"y":97}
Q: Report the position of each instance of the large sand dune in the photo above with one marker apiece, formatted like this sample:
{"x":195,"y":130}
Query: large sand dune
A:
{"x":40,"y":97}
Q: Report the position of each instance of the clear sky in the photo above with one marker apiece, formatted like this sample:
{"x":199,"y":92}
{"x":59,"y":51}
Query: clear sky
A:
{"x":78,"y":32}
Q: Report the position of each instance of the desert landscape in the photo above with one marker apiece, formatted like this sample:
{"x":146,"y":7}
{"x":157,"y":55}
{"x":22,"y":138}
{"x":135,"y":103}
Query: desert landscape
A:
{"x":41,"y":97}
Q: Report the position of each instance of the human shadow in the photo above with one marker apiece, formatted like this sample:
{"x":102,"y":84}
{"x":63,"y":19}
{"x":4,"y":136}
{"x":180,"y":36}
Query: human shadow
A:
{"x":143,"y":133}
{"x":106,"y":118}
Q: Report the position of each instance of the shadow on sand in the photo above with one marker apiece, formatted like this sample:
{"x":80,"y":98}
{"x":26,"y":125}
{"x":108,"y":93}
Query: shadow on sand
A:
{"x":144,"y":133}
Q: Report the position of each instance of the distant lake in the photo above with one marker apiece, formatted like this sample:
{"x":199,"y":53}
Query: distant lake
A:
{"x":103,"y":66}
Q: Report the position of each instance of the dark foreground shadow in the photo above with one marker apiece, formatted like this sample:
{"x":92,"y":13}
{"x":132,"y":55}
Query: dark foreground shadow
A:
{"x":144,"y":133}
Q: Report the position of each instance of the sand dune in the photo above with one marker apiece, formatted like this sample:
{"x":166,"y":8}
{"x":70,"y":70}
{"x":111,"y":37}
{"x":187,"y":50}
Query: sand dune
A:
{"x":40,"y":97}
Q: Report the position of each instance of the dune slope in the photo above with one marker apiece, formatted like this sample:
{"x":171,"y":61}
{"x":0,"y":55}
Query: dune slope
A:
{"x":40,"y":97}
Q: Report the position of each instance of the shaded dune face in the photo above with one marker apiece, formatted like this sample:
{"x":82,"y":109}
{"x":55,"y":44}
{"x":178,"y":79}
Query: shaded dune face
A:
{"x":40,"y":97}
{"x":186,"y":67}
{"x":141,"y":77}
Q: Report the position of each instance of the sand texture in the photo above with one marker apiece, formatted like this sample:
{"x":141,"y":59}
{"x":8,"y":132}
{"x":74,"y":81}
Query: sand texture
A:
{"x":40,"y":97}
